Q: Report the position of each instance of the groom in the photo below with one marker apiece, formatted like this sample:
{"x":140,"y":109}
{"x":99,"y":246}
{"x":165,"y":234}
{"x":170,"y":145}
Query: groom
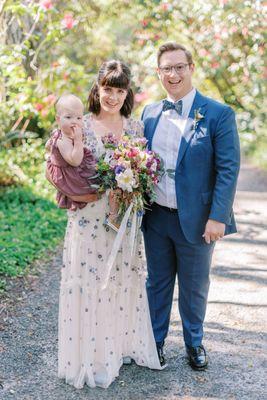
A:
{"x":198,"y":141}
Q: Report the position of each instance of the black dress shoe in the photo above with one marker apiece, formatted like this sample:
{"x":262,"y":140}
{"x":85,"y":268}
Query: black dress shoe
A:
{"x":197,"y":357}
{"x":161,"y":356}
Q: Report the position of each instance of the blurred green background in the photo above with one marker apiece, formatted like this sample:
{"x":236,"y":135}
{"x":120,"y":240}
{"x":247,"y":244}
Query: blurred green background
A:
{"x":49,"y":47}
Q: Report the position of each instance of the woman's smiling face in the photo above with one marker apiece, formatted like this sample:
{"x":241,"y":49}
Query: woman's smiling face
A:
{"x":176,"y":84}
{"x":111,"y":98}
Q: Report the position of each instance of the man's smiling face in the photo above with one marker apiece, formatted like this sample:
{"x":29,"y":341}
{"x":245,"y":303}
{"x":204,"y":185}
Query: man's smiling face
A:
{"x":176,"y":84}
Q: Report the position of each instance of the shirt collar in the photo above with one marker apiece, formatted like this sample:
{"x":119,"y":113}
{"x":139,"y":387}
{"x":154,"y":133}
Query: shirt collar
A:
{"x":187,"y":101}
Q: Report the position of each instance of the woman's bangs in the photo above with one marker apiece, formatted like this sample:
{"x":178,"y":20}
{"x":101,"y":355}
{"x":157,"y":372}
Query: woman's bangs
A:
{"x":116,"y":79}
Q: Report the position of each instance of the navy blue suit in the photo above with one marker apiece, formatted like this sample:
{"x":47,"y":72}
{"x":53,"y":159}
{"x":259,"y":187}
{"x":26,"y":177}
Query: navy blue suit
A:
{"x":205,"y":180}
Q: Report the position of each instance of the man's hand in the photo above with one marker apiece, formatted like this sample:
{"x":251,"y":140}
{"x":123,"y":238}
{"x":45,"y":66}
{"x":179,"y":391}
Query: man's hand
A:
{"x":214,"y":230}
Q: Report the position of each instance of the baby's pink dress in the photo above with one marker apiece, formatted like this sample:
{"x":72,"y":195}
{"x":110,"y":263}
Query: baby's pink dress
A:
{"x":69,"y":180}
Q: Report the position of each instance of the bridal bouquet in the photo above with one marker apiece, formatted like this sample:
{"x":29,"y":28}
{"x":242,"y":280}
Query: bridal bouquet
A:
{"x":131,"y":170}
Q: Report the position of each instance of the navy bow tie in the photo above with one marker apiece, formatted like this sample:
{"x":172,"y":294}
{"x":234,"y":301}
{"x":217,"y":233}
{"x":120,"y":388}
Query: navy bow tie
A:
{"x":168,"y":105}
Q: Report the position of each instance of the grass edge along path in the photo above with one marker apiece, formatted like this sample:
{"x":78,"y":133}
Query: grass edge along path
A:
{"x":30,"y":226}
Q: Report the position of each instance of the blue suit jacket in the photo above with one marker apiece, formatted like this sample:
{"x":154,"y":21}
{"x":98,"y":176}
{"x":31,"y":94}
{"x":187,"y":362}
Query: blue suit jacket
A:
{"x":207,"y":165}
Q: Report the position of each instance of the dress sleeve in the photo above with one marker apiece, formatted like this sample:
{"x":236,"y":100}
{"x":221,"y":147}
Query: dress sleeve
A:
{"x":86,"y":129}
{"x":136,"y":127}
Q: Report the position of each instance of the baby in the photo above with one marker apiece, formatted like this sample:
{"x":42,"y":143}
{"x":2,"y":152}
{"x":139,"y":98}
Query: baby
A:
{"x":70,"y":166}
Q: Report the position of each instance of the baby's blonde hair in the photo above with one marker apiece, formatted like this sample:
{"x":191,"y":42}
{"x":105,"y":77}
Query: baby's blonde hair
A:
{"x":69,"y":98}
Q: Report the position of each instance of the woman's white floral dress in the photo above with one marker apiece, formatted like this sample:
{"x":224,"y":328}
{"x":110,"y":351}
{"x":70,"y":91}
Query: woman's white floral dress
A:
{"x":97,"y":327}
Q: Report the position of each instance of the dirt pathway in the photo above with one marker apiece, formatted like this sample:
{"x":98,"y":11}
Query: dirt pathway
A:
{"x":235,"y":327}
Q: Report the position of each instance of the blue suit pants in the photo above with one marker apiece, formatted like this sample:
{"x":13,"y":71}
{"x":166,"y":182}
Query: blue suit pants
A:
{"x":169,"y":254}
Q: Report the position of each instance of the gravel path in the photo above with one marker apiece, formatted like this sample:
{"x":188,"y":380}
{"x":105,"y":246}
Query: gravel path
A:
{"x":235,"y":326}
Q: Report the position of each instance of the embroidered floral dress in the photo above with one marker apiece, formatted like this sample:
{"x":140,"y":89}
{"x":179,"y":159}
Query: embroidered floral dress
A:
{"x":98,"y":327}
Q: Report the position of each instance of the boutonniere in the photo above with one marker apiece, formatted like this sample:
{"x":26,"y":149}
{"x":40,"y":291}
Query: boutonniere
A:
{"x":197,"y":118}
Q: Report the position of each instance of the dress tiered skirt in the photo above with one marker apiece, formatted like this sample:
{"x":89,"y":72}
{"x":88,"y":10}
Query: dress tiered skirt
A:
{"x":99,"y":326}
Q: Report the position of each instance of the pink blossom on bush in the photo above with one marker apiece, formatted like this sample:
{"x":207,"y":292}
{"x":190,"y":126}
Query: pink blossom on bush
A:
{"x":245,"y":79}
{"x":55,"y":64}
{"x":215,"y":65}
{"x":233,"y":29}
{"x":139,"y":97}
{"x":203,"y":52}
{"x":156,"y":37}
{"x":47,"y":4}
{"x":50,"y":99}
{"x":38,"y":106}
{"x":68,"y":21}
{"x":144,"y":23}
{"x":245,"y":31}
{"x":166,"y":6}
{"x":44,"y":112}
{"x":217,"y":36}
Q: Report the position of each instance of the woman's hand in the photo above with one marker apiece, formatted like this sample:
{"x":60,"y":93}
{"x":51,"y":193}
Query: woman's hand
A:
{"x":85,"y":198}
{"x":113,"y":202}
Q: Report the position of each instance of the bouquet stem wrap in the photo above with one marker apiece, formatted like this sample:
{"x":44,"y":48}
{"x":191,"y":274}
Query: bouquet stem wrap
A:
{"x":135,"y":224}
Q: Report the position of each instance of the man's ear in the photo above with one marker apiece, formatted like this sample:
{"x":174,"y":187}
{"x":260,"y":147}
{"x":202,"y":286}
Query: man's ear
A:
{"x":158,"y":72}
{"x":57,"y":118}
{"x":192,"y":67}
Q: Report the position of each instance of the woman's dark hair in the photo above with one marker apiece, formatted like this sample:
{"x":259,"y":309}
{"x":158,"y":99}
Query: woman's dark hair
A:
{"x":115,"y":74}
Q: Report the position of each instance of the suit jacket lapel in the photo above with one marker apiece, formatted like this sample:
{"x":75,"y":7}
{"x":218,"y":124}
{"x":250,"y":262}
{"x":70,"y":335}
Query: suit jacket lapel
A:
{"x":198,"y":104}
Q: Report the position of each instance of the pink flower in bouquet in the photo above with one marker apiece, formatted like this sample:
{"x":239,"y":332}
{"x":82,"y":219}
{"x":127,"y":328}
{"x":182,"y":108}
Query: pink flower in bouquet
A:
{"x":133,"y":152}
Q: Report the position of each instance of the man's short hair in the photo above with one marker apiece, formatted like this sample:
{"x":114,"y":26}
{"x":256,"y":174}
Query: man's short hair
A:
{"x":172,"y":46}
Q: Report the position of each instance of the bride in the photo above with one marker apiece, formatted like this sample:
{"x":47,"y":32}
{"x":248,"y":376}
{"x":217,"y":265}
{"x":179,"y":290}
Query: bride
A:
{"x":100,"y":329}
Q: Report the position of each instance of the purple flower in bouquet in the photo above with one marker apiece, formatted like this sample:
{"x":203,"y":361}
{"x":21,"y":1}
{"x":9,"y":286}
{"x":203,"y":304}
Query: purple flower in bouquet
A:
{"x":118,"y":169}
{"x":110,"y":141}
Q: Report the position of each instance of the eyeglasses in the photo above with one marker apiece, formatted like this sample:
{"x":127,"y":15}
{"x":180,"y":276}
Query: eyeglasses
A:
{"x":178,"y":68}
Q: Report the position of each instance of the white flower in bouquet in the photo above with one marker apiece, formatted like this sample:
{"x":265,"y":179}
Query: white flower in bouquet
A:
{"x":125,"y":180}
{"x":144,"y":158}
{"x":154,"y":166}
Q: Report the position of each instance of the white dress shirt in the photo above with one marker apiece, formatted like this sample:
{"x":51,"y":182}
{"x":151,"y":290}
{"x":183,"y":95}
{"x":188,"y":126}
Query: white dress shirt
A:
{"x":166,"y":142}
